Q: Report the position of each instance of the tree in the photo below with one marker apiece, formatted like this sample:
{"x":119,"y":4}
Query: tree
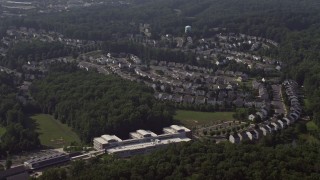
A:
{"x":1,"y":168}
{"x":8,"y":162}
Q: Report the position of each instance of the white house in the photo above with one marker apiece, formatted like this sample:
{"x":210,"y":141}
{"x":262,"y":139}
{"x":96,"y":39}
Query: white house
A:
{"x":276,"y":125}
{"x":252,"y":135}
{"x":265,"y":130}
{"x":234,"y":138}
{"x":282,"y":124}
{"x":271,"y":128}
{"x":287,"y":121}
{"x":251,"y":117}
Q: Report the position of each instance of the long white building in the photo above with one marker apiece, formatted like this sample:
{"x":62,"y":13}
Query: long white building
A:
{"x":142,"y":141}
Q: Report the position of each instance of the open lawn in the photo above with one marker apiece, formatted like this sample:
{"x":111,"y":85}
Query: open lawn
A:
{"x":194,"y":118}
{"x":311,"y":126}
{"x":2,"y":130}
{"x":52,"y":132}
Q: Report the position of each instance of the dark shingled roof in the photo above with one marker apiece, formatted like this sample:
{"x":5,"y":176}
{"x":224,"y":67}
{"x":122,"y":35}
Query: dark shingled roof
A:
{"x":13,"y":171}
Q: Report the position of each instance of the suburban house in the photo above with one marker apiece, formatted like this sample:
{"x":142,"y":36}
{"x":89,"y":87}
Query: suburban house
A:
{"x":260,"y":114}
{"x":263,"y":93}
{"x":258,"y":132}
{"x":200,"y":100}
{"x":177,"y":98}
{"x":264,"y":112}
{"x":271,"y":127}
{"x":211,"y":101}
{"x":287,"y":121}
{"x":188,"y":99}
{"x":256,"y":84}
{"x":282,"y":124}
{"x":276,"y":125}
{"x":252,"y":135}
{"x":238,"y":102}
{"x":265,"y":130}
{"x":234,"y":138}
{"x":243,"y":136}
{"x":251,"y":117}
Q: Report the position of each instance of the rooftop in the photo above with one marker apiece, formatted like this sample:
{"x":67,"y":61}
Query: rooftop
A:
{"x":144,"y":145}
{"x":46,"y":157}
{"x":111,"y":138}
{"x":180,"y":128}
{"x":100,"y":140}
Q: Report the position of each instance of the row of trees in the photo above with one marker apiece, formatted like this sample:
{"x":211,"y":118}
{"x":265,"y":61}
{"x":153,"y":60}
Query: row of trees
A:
{"x":94,"y":104}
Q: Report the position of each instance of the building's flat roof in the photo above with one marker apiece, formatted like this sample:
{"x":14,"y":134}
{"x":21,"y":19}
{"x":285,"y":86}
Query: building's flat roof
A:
{"x":134,"y":135}
{"x":108,"y":138}
{"x":46,"y":157}
{"x":165,"y":136}
{"x":146,"y":132}
{"x":144,"y":145}
{"x":177,"y":128}
{"x":100,"y":140}
{"x":169,"y":129}
{"x":13,"y":171}
{"x":142,"y":138}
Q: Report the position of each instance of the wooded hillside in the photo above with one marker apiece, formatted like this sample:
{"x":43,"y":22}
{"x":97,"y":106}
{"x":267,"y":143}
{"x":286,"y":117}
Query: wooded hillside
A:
{"x":95,"y":104}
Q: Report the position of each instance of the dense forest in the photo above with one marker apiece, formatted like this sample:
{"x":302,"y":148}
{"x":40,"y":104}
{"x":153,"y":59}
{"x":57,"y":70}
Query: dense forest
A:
{"x":95,"y":104}
{"x":23,"y":52}
{"x":271,"y":18}
{"x":206,"y":160}
{"x":18,"y":135}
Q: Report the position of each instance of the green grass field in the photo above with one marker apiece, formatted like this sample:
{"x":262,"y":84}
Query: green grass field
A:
{"x":2,"y":130}
{"x":194,"y":118}
{"x":311,"y":126}
{"x":52,"y":132}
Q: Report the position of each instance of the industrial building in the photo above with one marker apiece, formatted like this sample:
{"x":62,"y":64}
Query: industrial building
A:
{"x":47,"y":160}
{"x":15,"y":173}
{"x":142,"y":141}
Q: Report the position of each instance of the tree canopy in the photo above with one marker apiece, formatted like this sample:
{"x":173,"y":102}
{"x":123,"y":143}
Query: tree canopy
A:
{"x":95,"y":104}
{"x":18,"y":135}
